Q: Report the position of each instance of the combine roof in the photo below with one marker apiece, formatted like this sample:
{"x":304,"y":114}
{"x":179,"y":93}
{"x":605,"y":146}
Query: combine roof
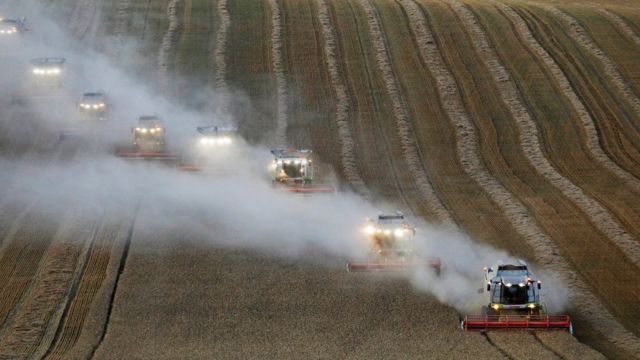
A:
{"x":48,"y":61}
{"x":291,"y":153}
{"x":215,"y":130}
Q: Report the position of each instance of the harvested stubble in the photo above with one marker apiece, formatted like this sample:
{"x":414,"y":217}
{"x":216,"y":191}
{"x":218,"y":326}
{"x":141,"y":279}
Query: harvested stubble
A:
{"x":588,"y":304}
{"x":79,"y":331}
{"x":255,"y":306}
{"x":309,"y":125}
{"x":343,"y":105}
{"x":28,"y":329}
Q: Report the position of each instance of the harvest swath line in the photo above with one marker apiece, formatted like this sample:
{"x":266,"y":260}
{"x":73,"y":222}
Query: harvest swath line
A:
{"x":611,"y":68}
{"x":123,"y":263}
{"x":277,"y":62}
{"x":588,"y":123}
{"x":601,"y":217}
{"x":73,"y":290}
{"x":121,"y":18}
{"x":168,"y":43}
{"x":29,"y":326}
{"x":411,"y":152}
{"x":219,"y":59}
{"x":546,"y":250}
{"x":378,"y":121}
{"x":467,"y":137}
{"x":17,"y":269}
{"x":621,"y":24}
{"x":466,"y":134}
{"x":603,"y":102}
{"x":343,"y":106}
{"x":87,"y":286}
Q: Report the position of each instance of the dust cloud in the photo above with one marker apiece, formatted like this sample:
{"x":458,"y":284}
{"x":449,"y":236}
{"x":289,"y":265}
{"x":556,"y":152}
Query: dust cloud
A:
{"x":239,"y":199}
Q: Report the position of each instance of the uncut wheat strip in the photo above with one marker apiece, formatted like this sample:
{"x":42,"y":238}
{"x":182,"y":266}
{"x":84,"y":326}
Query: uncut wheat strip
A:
{"x":600,"y":216}
{"x":410,"y":150}
{"x":611,"y":71}
{"x":168,"y":43}
{"x":277,"y":60}
{"x":546,"y":251}
{"x":620,"y":24}
{"x":343,"y":105}
{"x":588,"y":124}
{"x":219,"y":60}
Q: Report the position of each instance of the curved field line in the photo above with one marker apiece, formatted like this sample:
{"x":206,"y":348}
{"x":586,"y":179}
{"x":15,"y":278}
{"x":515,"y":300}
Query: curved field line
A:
{"x":168,"y":43}
{"x":620,"y":24}
{"x":121,"y":266}
{"x":87,"y":286}
{"x":121,"y":17}
{"x":347,"y":146}
{"x":547,"y":252}
{"x":611,"y":71}
{"x":376,"y":106}
{"x":410,"y":150}
{"x":219,"y":59}
{"x":277,"y":61}
{"x":31,"y":322}
{"x":600,"y":216}
{"x":466,"y":135}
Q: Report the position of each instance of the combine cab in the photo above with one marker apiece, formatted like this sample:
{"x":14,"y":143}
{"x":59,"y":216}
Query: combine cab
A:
{"x":93,"y":107}
{"x":391,"y":239}
{"x":10,"y":28}
{"x":514,"y":303}
{"x":211,"y":149}
{"x":48,"y":72}
{"x":148,"y":141}
{"x":45,"y":82}
{"x":293,"y":171}
{"x":93,"y":110}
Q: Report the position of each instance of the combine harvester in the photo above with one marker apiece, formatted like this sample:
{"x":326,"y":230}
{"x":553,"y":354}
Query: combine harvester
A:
{"x":93,"y":107}
{"x":93,"y":111}
{"x":514,"y":303}
{"x":293,"y":171}
{"x":10,"y":28}
{"x":391,"y":239}
{"x":45,"y":83}
{"x":148,"y":141}
{"x":212,"y":149}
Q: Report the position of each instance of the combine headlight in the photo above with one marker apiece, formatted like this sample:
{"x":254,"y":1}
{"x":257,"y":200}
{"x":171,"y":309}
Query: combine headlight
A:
{"x":507,"y":284}
{"x":398,"y":233}
{"x":370,"y":230}
{"x":387,"y":232}
{"x":532,"y":306}
{"x":143,"y":130}
{"x":521,"y":284}
{"x":496,"y":306}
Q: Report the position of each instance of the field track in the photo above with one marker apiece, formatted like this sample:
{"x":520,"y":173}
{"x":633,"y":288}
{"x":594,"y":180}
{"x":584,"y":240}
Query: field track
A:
{"x":515,"y":124}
